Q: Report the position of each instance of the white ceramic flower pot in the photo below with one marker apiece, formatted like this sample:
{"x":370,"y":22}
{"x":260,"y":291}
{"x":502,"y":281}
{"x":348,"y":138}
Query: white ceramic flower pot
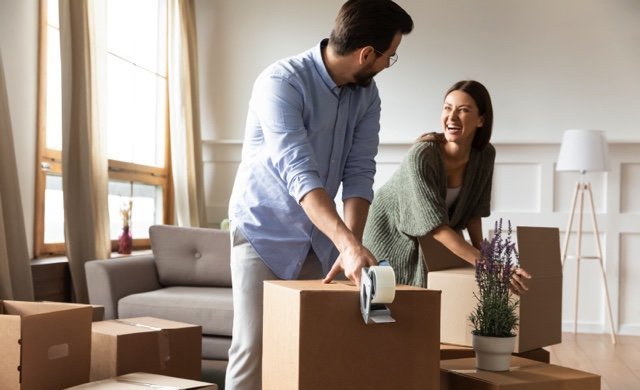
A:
{"x":493,"y":353}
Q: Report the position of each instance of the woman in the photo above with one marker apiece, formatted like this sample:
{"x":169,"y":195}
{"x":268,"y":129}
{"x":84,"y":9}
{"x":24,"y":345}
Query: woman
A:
{"x":442,"y":187}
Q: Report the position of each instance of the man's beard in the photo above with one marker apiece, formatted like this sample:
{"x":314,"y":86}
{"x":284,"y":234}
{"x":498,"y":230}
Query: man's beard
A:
{"x":363,"y":78}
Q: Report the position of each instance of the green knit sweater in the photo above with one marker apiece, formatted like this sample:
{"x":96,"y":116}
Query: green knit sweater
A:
{"x":412,"y":203}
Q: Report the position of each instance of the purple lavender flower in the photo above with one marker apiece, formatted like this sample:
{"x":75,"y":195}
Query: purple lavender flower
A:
{"x":495,"y":312}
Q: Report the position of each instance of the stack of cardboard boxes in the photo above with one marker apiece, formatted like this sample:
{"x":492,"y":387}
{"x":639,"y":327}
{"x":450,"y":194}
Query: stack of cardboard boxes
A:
{"x":539,"y":312}
{"x":49,"y":345}
{"x":315,"y":336}
{"x":540,"y":308}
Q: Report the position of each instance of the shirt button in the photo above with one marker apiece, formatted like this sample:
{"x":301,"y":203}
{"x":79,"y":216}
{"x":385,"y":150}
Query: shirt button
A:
{"x":197,"y":255}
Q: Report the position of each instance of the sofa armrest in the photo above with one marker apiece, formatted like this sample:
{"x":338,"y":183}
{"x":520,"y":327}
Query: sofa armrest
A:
{"x":110,"y":280}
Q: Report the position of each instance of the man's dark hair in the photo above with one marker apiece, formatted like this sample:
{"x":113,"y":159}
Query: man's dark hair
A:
{"x":483,"y":100}
{"x":373,"y":23}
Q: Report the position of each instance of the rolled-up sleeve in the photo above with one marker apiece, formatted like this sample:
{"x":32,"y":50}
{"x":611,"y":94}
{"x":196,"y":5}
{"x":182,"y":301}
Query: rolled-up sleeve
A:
{"x":360,"y":167}
{"x":279,"y":106}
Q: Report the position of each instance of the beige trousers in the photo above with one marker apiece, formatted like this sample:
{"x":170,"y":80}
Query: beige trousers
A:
{"x":248,"y":272}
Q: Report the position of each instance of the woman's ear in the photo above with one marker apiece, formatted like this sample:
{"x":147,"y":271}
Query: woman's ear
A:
{"x":481,"y":121}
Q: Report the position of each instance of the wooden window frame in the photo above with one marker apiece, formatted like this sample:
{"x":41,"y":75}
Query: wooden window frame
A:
{"x":50,"y":161}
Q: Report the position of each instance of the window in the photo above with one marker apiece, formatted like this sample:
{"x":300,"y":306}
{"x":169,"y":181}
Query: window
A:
{"x":136,"y":125}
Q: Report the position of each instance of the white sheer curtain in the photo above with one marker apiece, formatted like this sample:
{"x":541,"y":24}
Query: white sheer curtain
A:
{"x":84,"y":159}
{"x":15,"y":266}
{"x":184,"y":116}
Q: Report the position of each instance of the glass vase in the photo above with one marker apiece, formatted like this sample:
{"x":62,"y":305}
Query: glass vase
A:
{"x":125,"y":241}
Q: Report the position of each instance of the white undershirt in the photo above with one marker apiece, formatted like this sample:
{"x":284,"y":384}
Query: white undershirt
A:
{"x":452,"y":195}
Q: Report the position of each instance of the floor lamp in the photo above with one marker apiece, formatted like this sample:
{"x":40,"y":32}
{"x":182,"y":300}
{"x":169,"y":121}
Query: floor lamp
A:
{"x":584,"y":151}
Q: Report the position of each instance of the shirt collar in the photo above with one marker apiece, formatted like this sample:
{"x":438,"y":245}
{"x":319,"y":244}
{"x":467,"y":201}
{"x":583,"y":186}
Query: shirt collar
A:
{"x":321,"y":68}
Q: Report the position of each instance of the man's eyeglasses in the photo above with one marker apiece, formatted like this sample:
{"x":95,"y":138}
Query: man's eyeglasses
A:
{"x":392,"y":59}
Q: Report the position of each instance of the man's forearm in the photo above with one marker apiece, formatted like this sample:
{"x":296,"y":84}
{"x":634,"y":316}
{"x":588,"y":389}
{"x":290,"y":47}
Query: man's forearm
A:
{"x":355,"y":215}
{"x":322,"y":212}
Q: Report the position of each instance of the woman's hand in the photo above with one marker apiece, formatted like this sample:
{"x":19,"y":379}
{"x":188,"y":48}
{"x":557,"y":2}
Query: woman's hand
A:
{"x":518,"y":275}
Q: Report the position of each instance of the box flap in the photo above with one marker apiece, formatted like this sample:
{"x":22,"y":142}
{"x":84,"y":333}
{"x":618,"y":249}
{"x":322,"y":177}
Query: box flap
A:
{"x":143,"y":380}
{"x":10,"y":347}
{"x":27,"y":308}
{"x":540,"y":314}
{"x":56,"y":345}
{"x":539,"y":249}
{"x":438,"y":257}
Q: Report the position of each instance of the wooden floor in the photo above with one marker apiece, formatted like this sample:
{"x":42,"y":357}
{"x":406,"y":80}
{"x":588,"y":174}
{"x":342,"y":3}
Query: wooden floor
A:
{"x":618,"y":364}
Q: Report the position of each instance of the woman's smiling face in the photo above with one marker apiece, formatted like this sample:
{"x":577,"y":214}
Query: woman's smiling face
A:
{"x":460,"y":117}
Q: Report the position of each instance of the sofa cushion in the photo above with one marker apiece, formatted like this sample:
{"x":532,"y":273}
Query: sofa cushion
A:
{"x":209,"y":307}
{"x":188,"y":256}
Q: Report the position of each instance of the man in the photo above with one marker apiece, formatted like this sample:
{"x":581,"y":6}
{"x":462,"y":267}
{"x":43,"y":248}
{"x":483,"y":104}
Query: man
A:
{"x":312,"y":125}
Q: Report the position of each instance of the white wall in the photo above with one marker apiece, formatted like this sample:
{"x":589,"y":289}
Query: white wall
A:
{"x":19,"y":45}
{"x":550,"y":65}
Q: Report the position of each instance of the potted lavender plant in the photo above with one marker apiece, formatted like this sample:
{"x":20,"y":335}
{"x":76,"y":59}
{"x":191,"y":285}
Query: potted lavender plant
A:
{"x":494,"y":319}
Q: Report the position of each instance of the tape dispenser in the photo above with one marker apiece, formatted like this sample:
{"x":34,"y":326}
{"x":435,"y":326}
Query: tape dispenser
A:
{"x":378,"y":287}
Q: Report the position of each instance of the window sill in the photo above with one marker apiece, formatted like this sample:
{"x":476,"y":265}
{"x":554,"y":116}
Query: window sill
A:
{"x":64,"y":259}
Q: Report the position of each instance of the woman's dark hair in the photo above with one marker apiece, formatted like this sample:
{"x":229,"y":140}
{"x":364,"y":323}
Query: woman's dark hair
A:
{"x":373,"y":23}
{"x":481,"y":96}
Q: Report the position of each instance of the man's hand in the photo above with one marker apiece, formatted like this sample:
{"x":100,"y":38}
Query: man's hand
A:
{"x":518,"y":275}
{"x":351,"y":261}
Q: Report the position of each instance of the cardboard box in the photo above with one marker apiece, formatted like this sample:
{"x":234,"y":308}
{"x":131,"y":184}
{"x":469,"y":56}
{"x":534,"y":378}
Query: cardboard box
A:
{"x":44,"y":345}
{"x":525,"y":374}
{"x":145,"y":344}
{"x":450,"y":351}
{"x":315,"y":338}
{"x":98,"y":313}
{"x":540,"y":308}
{"x":144,"y":380}
{"x":538,"y":354}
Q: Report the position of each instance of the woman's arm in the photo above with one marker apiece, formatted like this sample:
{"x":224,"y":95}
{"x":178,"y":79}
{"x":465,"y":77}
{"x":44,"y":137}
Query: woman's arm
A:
{"x":474,"y":228}
{"x":456,"y":243}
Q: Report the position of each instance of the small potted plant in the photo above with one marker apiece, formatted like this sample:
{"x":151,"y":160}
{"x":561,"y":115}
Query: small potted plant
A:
{"x":495,"y":318}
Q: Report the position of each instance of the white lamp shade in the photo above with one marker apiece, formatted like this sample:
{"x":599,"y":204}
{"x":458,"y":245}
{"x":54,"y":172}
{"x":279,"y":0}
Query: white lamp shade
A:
{"x":583,"y":151}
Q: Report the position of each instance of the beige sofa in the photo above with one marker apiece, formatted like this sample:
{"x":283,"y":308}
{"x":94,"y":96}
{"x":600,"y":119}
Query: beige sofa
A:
{"x":187,"y":279}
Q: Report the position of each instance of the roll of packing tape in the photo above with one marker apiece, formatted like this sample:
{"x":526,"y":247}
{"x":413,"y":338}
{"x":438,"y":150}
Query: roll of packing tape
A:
{"x":383,"y":281}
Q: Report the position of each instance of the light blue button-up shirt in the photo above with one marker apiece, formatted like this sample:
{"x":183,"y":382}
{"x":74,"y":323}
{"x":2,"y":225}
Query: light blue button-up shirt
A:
{"x":303,"y":132}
